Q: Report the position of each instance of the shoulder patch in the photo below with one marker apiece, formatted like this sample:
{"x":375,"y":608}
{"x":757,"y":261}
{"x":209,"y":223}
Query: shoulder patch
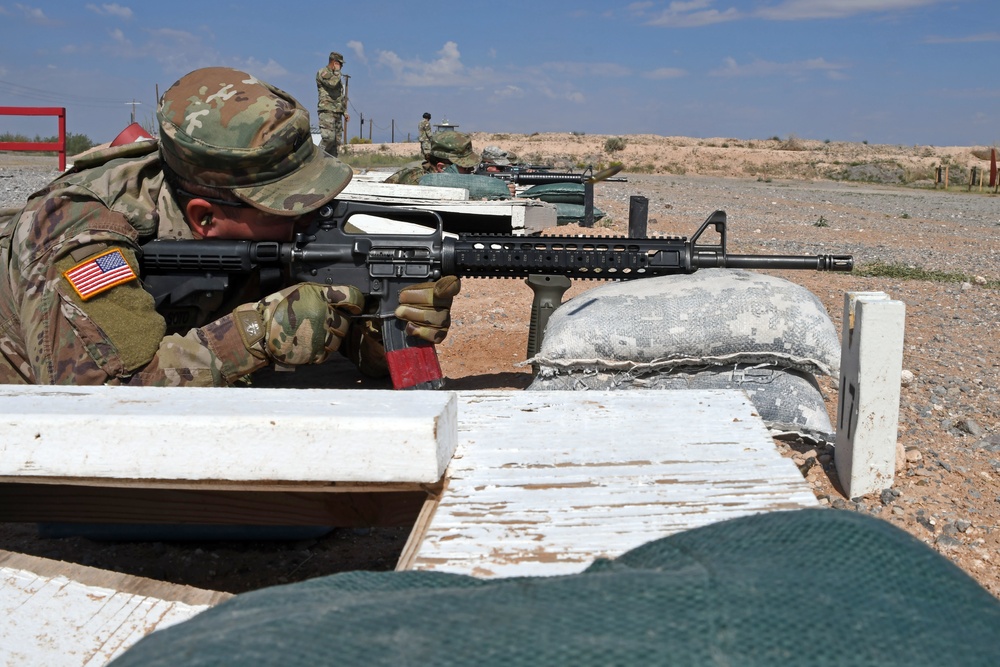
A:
{"x":99,"y":273}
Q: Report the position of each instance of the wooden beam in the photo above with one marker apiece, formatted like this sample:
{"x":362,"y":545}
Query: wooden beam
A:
{"x":20,"y":503}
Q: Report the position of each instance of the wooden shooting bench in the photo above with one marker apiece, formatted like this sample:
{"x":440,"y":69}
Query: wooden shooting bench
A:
{"x":494,"y":483}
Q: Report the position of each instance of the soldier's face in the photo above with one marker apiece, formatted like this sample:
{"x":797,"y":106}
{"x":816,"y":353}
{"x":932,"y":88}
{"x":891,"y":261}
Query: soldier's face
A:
{"x":254,"y":225}
{"x":237,"y":221}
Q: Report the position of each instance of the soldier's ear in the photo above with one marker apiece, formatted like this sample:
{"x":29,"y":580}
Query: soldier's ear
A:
{"x":197,"y":211}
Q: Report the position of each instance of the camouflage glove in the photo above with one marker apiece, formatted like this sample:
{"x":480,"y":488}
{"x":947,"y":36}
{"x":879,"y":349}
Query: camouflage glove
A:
{"x":426,"y":308}
{"x":301,"y":324}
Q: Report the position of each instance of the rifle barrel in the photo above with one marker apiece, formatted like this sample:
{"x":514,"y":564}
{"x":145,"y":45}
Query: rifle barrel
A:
{"x":809,"y":262}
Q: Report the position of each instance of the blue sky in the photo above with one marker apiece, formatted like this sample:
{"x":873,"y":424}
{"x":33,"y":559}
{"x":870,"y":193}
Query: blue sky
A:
{"x":883,"y":71}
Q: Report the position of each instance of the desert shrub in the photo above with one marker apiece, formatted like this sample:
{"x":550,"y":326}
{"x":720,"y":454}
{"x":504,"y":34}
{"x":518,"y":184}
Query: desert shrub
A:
{"x":360,"y":140}
{"x":614,"y":144}
{"x":793,"y":143}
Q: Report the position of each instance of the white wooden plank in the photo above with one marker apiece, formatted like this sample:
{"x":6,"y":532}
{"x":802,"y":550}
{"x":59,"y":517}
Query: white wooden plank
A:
{"x":55,"y":619}
{"x":365,"y":190}
{"x":516,"y":216}
{"x":225,"y":434}
{"x":542,"y":483}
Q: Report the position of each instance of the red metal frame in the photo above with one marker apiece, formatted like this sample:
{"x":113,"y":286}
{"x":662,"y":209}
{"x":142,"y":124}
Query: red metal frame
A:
{"x":58,"y":146}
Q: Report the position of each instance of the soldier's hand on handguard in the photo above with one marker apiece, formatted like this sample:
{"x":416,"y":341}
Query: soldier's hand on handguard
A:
{"x":301,"y":324}
{"x":426,"y":307}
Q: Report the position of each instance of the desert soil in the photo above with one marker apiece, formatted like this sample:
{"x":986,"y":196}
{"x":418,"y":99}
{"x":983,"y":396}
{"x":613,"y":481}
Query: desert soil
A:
{"x":781,"y":198}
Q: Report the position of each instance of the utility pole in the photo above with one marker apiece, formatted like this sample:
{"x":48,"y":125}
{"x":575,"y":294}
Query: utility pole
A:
{"x":133,"y":103}
{"x":361,"y":127}
{"x":347,"y":80}
{"x":370,"y":121}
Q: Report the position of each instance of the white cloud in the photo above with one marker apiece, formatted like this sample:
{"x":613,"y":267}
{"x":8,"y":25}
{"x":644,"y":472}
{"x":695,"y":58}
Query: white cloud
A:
{"x":692,"y":14}
{"x":446,"y":70}
{"x":32,"y":13}
{"x":581,"y":69}
{"x":118,"y":36}
{"x":698,"y":13}
{"x":269,"y":71}
{"x":798,"y":68}
{"x":112,"y":9}
{"x":797,"y":10}
{"x":359,"y":51}
{"x":967,"y":39}
{"x":508,"y":92}
{"x":665,"y":73}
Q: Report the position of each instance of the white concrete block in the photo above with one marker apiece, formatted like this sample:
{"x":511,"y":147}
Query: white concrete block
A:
{"x":868,"y":410}
{"x":231,"y":434}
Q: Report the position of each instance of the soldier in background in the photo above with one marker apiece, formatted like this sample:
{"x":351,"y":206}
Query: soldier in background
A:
{"x":451,"y":153}
{"x":332,"y":103}
{"x":446,"y":151}
{"x":234,"y":160}
{"x":424,"y":136}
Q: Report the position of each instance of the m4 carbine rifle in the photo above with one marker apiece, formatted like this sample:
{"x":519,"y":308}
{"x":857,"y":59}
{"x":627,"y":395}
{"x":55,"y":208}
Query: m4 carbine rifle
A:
{"x":530,"y":177}
{"x":335,"y":251}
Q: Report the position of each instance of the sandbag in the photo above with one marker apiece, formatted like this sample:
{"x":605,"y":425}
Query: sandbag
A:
{"x":730,"y":593}
{"x":789,"y":402}
{"x":556,"y":193}
{"x":710,"y":317}
{"x":479,"y":187}
{"x":571,"y":214}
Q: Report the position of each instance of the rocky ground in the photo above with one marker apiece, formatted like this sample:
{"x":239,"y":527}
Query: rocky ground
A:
{"x":946,"y":491}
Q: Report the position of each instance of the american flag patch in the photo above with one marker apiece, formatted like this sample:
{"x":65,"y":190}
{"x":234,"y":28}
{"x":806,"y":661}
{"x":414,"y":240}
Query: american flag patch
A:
{"x":99,"y":274}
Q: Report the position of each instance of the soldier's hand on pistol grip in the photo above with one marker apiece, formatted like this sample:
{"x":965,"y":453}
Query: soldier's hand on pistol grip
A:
{"x":426,"y":308}
{"x":301,"y":324}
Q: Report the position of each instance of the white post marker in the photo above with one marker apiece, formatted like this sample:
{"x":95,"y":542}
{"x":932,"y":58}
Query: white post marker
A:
{"x":868,"y":411}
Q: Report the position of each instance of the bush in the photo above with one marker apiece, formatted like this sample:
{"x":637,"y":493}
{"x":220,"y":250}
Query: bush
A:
{"x":75,"y":143}
{"x":360,"y":140}
{"x":614,"y":144}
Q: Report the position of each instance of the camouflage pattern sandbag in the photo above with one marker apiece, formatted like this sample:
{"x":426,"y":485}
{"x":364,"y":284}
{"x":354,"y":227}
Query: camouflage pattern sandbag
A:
{"x":789,"y":402}
{"x":710,"y":317}
{"x":479,"y":187}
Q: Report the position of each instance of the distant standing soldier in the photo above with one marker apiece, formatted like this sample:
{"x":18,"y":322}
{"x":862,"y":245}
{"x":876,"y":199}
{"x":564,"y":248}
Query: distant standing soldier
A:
{"x":332,"y":103}
{"x":425,"y":134}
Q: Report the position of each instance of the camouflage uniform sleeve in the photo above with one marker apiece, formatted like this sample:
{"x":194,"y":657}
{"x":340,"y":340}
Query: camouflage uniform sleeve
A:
{"x":114,"y":336}
{"x":331,"y":91}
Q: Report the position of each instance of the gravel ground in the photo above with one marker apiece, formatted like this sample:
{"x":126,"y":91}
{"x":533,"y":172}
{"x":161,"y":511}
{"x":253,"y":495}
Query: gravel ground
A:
{"x":946,"y":492}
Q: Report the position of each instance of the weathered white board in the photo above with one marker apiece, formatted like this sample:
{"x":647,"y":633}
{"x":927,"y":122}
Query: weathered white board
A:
{"x":543,"y":483}
{"x":57,"y":614}
{"x":368,"y":190}
{"x":296,"y":435}
{"x":513,"y":216}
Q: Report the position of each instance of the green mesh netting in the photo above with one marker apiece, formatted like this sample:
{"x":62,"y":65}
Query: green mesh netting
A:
{"x":479,"y":187}
{"x":567,"y":214}
{"x":557,"y":193}
{"x":808,"y":587}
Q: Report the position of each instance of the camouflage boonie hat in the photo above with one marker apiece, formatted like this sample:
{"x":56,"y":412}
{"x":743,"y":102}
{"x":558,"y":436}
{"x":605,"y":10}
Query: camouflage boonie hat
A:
{"x":455,"y":147}
{"x":336,"y":56}
{"x":223,"y":128}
